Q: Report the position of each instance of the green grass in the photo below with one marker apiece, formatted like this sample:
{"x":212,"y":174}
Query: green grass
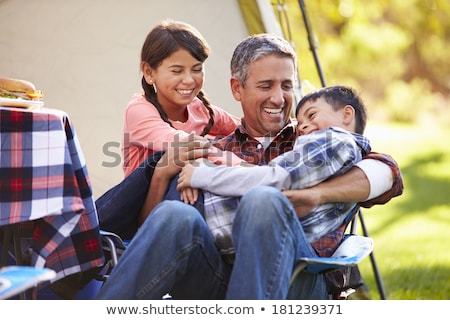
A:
{"x":412,"y":231}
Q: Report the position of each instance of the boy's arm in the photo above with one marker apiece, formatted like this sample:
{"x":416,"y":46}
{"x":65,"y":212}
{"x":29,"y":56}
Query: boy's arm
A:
{"x":234,"y":181}
{"x":307,"y":164}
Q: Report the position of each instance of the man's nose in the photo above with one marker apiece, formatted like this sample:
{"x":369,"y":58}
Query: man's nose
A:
{"x":277,"y":97}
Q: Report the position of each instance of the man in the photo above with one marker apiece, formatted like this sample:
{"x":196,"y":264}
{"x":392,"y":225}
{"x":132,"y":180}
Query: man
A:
{"x":330,"y":124}
{"x":174,"y":250}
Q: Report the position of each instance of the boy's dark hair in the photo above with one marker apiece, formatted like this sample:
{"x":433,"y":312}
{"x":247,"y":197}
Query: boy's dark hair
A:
{"x":338,"y":97}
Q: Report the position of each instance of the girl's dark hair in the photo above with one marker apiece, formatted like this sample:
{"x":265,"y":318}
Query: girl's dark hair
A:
{"x":163,"y":40}
{"x":338,"y":97}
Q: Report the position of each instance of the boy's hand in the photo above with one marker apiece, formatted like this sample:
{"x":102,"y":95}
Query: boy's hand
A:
{"x":184,"y":179}
{"x":189,"y":195}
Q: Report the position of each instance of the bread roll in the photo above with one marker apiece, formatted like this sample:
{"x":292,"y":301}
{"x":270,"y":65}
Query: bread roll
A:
{"x":19,"y":89}
{"x":17,"y":85}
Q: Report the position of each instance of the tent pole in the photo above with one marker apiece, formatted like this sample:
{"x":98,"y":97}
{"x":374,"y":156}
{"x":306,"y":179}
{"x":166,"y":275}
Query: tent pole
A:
{"x":313,"y":43}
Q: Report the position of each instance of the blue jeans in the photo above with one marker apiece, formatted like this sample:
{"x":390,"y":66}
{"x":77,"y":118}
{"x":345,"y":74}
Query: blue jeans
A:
{"x":119,"y":207}
{"x":174,"y":252}
{"x":269,"y":239}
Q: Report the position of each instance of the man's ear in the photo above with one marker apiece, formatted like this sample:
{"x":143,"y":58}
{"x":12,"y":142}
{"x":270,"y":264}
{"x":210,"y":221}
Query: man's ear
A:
{"x":236,"y":88}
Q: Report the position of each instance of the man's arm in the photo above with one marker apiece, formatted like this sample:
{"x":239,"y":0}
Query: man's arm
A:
{"x":353,"y":186}
{"x":383,"y":193}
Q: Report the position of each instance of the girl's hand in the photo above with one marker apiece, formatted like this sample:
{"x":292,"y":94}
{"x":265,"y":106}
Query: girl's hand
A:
{"x":181,"y":152}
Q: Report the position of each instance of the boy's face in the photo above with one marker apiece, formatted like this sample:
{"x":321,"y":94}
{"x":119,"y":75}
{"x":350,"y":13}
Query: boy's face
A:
{"x":318,"y":115}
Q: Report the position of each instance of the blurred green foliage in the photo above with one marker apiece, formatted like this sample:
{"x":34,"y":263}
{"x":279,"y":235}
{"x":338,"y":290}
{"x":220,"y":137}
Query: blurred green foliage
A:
{"x":394,"y":52}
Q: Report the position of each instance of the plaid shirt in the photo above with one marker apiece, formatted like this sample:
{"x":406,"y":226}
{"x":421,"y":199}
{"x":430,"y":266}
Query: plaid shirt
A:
{"x":44,"y":186}
{"x":249,"y":149}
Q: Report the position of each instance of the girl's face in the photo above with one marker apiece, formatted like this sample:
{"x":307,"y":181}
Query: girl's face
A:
{"x":178,"y":79}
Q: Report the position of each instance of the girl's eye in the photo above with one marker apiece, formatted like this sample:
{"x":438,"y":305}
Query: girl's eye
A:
{"x":176,"y":71}
{"x":197,"y":70}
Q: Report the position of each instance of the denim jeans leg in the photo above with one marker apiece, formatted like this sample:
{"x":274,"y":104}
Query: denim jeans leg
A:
{"x":173,"y":252}
{"x":269,"y":239}
{"x":119,"y":207}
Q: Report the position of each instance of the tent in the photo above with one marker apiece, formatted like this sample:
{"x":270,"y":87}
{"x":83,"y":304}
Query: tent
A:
{"x":84,"y":56}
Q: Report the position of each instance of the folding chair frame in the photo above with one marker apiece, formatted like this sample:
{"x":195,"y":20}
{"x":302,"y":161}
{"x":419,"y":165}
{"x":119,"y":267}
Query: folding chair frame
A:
{"x":376,"y":272}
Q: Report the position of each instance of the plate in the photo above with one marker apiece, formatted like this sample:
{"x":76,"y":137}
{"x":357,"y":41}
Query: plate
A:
{"x":21,"y":103}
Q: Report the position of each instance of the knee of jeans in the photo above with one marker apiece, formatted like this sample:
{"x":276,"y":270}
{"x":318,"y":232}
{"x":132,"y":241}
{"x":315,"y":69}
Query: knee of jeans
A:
{"x":261,"y":202}
{"x":262,"y":196}
{"x":177,"y":213}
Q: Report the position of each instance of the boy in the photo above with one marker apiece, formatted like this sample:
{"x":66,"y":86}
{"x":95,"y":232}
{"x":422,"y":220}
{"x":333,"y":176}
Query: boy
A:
{"x":324,"y":148}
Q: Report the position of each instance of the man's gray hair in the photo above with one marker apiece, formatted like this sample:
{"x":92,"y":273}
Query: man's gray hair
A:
{"x":256,"y":47}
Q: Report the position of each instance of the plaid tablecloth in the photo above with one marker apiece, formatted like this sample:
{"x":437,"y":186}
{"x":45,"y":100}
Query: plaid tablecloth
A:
{"x":44,"y":186}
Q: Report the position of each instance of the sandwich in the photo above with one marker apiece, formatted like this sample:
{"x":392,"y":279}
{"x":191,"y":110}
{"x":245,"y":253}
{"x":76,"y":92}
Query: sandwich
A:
{"x":19,"y":93}
{"x":19,"y":89}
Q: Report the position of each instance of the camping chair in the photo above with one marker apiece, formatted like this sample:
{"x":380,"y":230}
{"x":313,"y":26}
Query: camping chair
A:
{"x":376,"y":272}
{"x":113,"y":247}
{"x":16,"y":280}
{"x":352,"y":250}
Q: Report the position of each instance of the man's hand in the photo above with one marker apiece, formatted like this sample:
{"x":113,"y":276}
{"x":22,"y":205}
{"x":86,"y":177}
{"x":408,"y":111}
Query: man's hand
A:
{"x":303,"y":200}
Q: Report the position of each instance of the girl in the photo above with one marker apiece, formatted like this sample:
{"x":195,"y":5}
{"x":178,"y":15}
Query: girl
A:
{"x":171,"y":107}
{"x":173,"y":103}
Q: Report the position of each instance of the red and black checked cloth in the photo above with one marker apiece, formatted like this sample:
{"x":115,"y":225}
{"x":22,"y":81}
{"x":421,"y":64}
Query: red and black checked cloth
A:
{"x":44,"y":185}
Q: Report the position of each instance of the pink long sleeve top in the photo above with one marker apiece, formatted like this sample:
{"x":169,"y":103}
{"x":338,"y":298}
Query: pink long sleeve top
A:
{"x":145,"y":132}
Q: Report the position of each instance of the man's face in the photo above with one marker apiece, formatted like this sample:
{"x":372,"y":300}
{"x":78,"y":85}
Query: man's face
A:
{"x":267,"y":96}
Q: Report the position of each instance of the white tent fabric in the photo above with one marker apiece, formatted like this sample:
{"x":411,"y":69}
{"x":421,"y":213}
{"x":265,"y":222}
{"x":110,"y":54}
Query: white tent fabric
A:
{"x":84,"y":55}
{"x":268,"y":18}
